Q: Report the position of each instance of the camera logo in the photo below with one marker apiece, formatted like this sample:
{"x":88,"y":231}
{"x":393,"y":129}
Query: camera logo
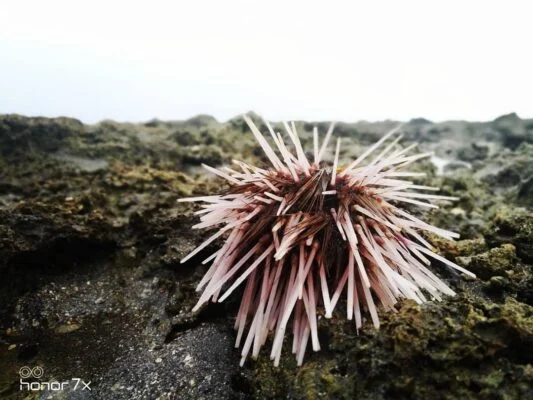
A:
{"x":27,"y":372}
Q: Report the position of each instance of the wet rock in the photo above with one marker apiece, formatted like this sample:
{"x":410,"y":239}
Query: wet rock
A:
{"x":426,"y":351}
{"x":525,"y":191}
{"x":495,"y":262}
{"x":91,"y":240}
{"x":197,"y":365}
{"x":21,"y":136}
{"x":513,"y":130}
{"x":420,"y":121}
{"x":516,"y":227}
{"x":201,"y":121}
{"x":509,"y":172}
{"x":473,"y":152}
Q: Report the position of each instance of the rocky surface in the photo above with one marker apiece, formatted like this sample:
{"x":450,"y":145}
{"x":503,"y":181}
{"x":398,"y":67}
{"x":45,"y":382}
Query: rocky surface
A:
{"x":91,"y":287}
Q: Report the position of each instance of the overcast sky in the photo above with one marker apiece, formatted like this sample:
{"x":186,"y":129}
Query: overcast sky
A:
{"x":313,"y":60}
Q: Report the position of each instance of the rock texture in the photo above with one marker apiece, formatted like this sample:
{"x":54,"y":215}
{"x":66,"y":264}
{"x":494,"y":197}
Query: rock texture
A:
{"x":91,"y":287}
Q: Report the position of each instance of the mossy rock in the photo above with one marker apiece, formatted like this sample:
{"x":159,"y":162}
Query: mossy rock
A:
{"x":463,"y":348}
{"x":495,"y":262}
{"x":514,"y":227}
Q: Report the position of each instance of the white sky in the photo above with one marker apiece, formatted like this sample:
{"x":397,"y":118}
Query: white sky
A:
{"x":313,"y":60}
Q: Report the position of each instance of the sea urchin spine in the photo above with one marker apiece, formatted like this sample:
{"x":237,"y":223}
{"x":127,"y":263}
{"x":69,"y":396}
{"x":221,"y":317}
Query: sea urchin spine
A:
{"x":301,"y":235}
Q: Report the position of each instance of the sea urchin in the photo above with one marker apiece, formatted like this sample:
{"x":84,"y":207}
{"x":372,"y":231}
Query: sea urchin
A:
{"x":302,"y":234}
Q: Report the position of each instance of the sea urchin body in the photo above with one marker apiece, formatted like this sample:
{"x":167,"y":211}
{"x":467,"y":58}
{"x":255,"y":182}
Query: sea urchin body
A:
{"x":301,"y":234}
